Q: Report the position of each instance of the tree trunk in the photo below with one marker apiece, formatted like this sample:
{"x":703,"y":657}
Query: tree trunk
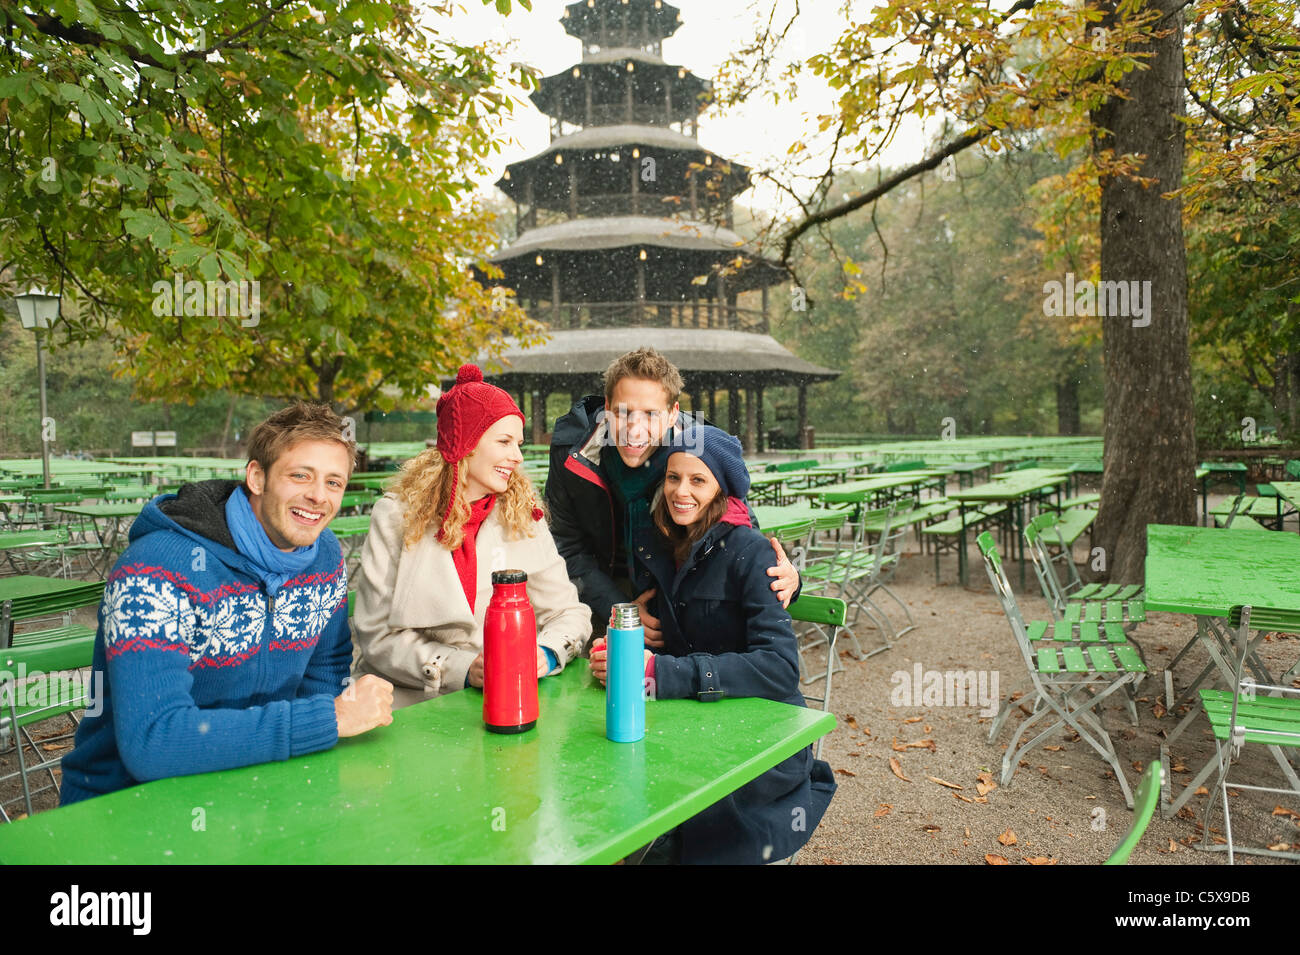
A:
{"x":1067,"y":401}
{"x":225,"y":431}
{"x":1150,"y":452}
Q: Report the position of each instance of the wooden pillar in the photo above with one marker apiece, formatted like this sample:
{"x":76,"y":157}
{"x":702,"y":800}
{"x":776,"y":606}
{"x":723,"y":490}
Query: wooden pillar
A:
{"x":573,"y":190}
{"x":668,"y":101}
{"x":539,"y":416}
{"x":695,"y":198}
{"x":728,"y":315}
{"x":751,"y":409}
{"x":532,"y":205}
{"x":762,"y":430}
{"x":733,"y":410}
{"x":555,"y":292}
{"x":640,"y":283}
{"x":803,"y":417}
{"x":586,"y":75}
{"x":766,"y":324}
{"x":634,"y":169}
{"x":695,"y":306}
{"x":713,"y":405}
{"x":627,"y":87}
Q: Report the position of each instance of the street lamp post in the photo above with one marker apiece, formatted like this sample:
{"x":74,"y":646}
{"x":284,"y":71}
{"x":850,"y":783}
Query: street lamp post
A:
{"x":39,"y":310}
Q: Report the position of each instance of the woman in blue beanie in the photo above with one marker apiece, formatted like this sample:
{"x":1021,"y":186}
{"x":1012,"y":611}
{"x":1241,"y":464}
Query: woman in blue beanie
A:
{"x":725,"y":634}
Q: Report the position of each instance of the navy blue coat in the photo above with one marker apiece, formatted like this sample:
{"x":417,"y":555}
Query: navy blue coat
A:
{"x":725,"y":630}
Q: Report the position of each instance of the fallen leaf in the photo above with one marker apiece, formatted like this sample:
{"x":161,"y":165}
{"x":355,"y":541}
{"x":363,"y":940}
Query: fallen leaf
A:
{"x":914,"y":719}
{"x":1040,"y":860}
{"x":1137,"y":764}
{"x":1054,"y":749}
{"x":1159,"y":711}
{"x":884,"y":810}
{"x":985,"y":784}
{"x":1007,"y":838}
{"x":1179,"y":766}
{"x":915,"y":744}
{"x":929,"y":728}
{"x":1200,"y":791}
{"x":930,"y":827}
{"x":1283,"y":811}
{"x":897,"y":769}
{"x":851,"y":722}
{"x":968,"y":832}
{"x":846,"y":772}
{"x":1173,"y":846}
{"x":962,"y":798}
{"x":996,"y":860}
{"x":1279,"y":846}
{"x":944,"y":782}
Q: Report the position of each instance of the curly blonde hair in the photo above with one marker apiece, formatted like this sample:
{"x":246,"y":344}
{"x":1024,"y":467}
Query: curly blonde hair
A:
{"x":424,"y":486}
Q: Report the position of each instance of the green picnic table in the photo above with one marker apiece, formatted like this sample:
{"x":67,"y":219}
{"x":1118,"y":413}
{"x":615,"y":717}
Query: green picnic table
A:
{"x":106,"y":525}
{"x":1014,"y":490}
{"x":1212,"y":573}
{"x":436,"y":787}
{"x":1219,"y":471}
{"x":45,"y":596}
{"x":1288,"y":491}
{"x":775,"y":519}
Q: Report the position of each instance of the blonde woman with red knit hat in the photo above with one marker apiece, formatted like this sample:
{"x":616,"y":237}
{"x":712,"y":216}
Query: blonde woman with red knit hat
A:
{"x":457,"y":512}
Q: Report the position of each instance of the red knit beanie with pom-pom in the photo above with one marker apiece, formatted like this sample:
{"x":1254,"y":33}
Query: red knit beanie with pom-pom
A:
{"x":465,"y":411}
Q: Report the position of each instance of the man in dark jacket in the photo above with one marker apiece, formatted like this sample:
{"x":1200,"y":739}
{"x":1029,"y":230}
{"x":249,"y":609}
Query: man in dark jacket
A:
{"x":607,"y":461}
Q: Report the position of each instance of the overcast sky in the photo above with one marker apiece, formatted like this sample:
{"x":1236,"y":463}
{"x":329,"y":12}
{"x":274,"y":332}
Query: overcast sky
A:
{"x":756,"y":135}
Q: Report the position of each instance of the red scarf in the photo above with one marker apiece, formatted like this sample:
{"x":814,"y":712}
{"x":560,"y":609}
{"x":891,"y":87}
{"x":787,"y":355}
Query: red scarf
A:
{"x":465,"y":558}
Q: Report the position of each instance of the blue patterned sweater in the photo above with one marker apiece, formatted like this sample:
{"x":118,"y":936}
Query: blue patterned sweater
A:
{"x":203,"y":668}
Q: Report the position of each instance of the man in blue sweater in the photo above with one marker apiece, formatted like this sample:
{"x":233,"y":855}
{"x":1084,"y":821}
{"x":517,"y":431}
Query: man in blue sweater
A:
{"x":223,"y":633}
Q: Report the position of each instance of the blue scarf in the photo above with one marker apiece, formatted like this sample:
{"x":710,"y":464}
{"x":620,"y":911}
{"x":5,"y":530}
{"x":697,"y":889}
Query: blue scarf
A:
{"x":274,"y":565}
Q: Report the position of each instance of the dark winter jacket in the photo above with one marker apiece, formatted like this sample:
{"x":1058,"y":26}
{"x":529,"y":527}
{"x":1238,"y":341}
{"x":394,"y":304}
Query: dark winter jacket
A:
{"x":726,"y":634}
{"x":580,"y":505}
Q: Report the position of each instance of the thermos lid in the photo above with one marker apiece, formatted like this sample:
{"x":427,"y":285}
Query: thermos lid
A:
{"x":509,"y":577}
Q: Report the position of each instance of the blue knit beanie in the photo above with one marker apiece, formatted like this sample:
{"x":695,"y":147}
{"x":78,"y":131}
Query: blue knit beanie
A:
{"x":721,"y":454}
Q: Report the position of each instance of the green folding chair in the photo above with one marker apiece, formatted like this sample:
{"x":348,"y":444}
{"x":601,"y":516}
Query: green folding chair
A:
{"x":1072,"y":669}
{"x":1120,"y":603}
{"x":826,"y":615}
{"x":54,"y":693}
{"x":1145,"y":801}
{"x":1250,"y":713}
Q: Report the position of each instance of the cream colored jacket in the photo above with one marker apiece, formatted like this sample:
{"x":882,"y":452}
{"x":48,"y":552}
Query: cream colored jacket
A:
{"x":412,"y":624}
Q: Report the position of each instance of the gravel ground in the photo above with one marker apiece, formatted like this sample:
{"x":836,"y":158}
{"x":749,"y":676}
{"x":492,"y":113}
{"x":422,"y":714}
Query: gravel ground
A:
{"x":1063,"y":804}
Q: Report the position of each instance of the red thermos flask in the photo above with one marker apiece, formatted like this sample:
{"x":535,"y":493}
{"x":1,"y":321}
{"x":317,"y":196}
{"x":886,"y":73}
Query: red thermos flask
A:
{"x":509,"y":656}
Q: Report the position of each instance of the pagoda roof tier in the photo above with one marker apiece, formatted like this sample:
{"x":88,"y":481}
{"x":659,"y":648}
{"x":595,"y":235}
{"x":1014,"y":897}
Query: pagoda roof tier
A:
{"x":630,"y":21}
{"x":598,"y":258}
{"x":707,"y":359}
{"x":603,"y":156}
{"x":653,"y":83}
{"x":614,"y":232}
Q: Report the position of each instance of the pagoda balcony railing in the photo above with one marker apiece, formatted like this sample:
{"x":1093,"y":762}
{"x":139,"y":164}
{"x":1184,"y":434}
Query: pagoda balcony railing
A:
{"x":617,"y":39}
{"x":643,"y":204}
{"x":619,"y":114}
{"x":702,"y":313}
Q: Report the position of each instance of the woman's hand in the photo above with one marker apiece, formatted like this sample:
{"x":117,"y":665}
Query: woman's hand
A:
{"x":476,"y":672}
{"x":543,"y":664}
{"x":600,"y":660}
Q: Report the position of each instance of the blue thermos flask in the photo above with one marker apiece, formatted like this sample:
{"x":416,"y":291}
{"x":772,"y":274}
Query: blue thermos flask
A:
{"x":625,"y":679}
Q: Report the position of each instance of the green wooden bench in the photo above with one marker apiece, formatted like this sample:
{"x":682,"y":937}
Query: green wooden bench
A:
{"x":784,"y":466}
{"x":948,"y":534}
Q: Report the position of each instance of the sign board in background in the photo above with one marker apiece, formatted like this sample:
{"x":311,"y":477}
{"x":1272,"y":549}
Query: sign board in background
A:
{"x":164,"y":439}
{"x":142,"y":439}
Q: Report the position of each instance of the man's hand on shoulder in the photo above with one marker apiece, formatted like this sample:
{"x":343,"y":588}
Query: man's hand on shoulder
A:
{"x":365,"y":704}
{"x":787,"y":578}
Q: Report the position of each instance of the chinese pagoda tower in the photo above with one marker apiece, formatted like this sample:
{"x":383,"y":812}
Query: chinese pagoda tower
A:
{"x":625,"y":235}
